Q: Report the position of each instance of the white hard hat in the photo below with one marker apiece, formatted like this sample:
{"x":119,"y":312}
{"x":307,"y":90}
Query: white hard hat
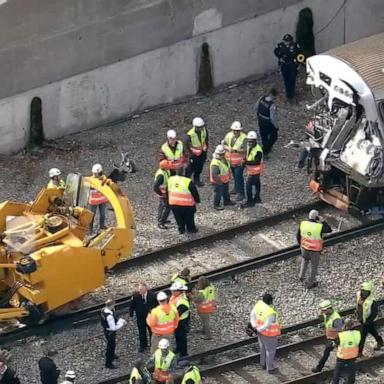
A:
{"x":70,"y":375}
{"x":97,"y":168}
{"x":313,"y":214}
{"x":171,"y":134}
{"x":54,"y":172}
{"x":252,"y":135}
{"x":220,"y":150}
{"x":163,"y":344}
{"x":178,"y":287}
{"x":198,"y":122}
{"x":236,"y":126}
{"x":161,"y":296}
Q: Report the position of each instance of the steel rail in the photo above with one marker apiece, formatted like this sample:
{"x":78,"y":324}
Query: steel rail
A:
{"x":90,"y":314}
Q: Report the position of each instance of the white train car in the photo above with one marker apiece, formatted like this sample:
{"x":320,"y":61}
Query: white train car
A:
{"x":346,"y":133}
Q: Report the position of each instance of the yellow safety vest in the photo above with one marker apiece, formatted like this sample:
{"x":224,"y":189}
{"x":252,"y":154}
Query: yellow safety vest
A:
{"x":258,"y":169}
{"x":330,"y":332}
{"x":208,"y":305}
{"x":348,"y":348}
{"x":166,"y":322}
{"x":177,"y":279}
{"x":197,"y":146}
{"x":223,"y":168}
{"x":235,"y":158}
{"x":263,"y":312}
{"x":179,"y":193}
{"x":180,"y":300}
{"x":169,"y":154}
{"x":310,"y":233}
{"x":162,"y":365}
{"x":135,"y":374}
{"x":193,"y":375}
{"x":166,"y":175}
{"x":52,"y":184}
{"x":367,"y":306}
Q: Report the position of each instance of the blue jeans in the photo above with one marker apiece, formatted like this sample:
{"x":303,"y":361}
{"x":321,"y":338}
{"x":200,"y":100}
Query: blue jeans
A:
{"x":220,"y":192}
{"x":238,"y":175}
{"x":253,"y":181}
{"x":347,"y":367}
{"x":102,"y":208}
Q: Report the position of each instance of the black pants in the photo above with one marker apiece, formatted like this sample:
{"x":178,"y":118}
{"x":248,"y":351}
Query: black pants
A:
{"x":144,"y":331}
{"x":185,"y":217}
{"x":163,"y":211}
{"x":268,"y":133}
{"x":327,"y":350}
{"x":289,"y":73}
{"x":181,"y":338}
{"x":195,"y":166}
{"x":253,"y":181}
{"x":344,"y":366}
{"x":220,"y":192}
{"x":111,"y":346}
{"x":371,"y":329}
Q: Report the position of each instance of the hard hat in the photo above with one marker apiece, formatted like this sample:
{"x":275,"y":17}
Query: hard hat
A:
{"x":97,"y":168}
{"x":313,"y":214}
{"x":287,"y":37}
{"x":367,"y":286}
{"x":171,"y":134}
{"x":326,"y":304}
{"x":54,"y":172}
{"x":220,"y":150}
{"x":198,"y":122}
{"x":178,"y":287}
{"x":161,"y":296}
{"x":163,"y":344}
{"x":236,"y":126}
{"x":252,"y":135}
{"x":70,"y":375}
{"x":164,"y":164}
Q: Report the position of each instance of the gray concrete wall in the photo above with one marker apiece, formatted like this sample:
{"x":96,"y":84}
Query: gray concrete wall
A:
{"x":165,"y":74}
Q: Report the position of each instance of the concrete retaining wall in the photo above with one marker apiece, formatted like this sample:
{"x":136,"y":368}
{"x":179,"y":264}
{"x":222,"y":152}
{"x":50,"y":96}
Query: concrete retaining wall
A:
{"x":162,"y":75}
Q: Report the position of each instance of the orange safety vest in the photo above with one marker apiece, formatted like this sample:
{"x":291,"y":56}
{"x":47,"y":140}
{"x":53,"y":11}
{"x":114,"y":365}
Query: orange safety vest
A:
{"x":225,"y":174}
{"x":179,"y":193}
{"x":162,"y":365}
{"x":348,"y":348}
{"x":235,"y":158}
{"x":197,"y":147}
{"x":330,"y":332}
{"x":208,"y":305}
{"x":253,"y":170}
{"x":310,"y":233}
{"x":163,"y":320}
{"x":96,"y":198}
{"x":176,"y":159}
{"x":263,"y":312}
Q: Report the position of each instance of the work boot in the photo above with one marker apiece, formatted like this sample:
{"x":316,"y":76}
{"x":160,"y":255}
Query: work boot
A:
{"x":248,"y":204}
{"x":162,"y":226}
{"x":311,"y":285}
{"x":194,"y":230}
{"x":111,"y":366}
{"x":257,"y":200}
{"x":232,"y":191}
{"x":379,"y":345}
{"x":239,"y":197}
{"x":181,"y":231}
{"x":230,"y":202}
{"x":316,"y":369}
{"x":218,"y":207}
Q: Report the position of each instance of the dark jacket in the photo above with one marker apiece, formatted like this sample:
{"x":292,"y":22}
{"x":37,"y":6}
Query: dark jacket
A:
{"x":49,"y":373}
{"x":139,"y":307}
{"x":287,"y":54}
{"x":371,"y":318}
{"x":9,"y":377}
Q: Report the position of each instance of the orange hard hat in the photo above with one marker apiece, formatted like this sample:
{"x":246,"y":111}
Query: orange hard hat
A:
{"x":164,"y":164}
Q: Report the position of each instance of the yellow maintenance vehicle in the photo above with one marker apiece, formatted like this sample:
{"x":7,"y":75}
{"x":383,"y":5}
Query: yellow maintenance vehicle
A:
{"x":47,"y":258}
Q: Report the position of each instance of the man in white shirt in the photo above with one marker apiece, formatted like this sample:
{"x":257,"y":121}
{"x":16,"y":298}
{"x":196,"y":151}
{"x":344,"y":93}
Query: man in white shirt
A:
{"x":111,"y":324}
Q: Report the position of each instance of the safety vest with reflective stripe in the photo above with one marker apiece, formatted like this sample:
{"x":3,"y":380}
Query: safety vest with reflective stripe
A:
{"x":194,"y":375}
{"x":310,"y":233}
{"x":179,"y":193}
{"x":197,"y":146}
{"x":263,"y":312}
{"x":232,"y":155}
{"x":135,"y":374}
{"x":331,"y":332}
{"x":56,"y":185}
{"x":208,"y":305}
{"x":163,"y":320}
{"x":258,"y":169}
{"x":176,"y":158}
{"x":162,"y":365}
{"x":367,"y":306}
{"x":223,"y":168}
{"x":96,"y":198}
{"x":166,"y":175}
{"x":180,"y":300}
{"x":178,"y":279}
{"x":348,"y":348}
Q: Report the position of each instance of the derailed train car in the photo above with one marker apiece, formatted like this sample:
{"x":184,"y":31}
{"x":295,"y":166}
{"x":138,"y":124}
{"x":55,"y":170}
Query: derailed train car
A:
{"x":346,"y":133}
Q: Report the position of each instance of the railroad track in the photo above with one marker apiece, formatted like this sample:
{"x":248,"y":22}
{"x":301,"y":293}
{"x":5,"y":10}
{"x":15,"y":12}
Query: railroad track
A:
{"x":290,"y":356}
{"x":91,"y":313}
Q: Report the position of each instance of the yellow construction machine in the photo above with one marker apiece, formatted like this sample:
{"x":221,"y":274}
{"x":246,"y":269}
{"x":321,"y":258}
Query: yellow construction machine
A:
{"x":47,"y":257}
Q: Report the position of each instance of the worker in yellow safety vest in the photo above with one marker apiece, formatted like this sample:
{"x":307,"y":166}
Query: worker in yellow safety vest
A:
{"x":96,"y":200}
{"x":219,"y":176}
{"x":182,"y":199}
{"x":254,"y":166}
{"x":310,"y":237}
{"x":163,"y":320}
{"x":191,"y":373}
{"x":205,"y":300}
{"x":163,"y":362}
{"x":347,"y":351}
{"x":265,"y":321}
{"x":367,"y":311}
{"x":174,"y":151}
{"x":180,"y":301}
{"x":234,"y":144}
{"x":55,"y":182}
{"x":160,"y":187}
{"x":197,"y":144}
{"x":333,"y":324}
{"x":139,"y":373}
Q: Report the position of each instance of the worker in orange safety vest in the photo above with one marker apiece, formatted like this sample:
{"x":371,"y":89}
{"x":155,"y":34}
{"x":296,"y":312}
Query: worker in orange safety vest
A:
{"x":174,"y":151}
